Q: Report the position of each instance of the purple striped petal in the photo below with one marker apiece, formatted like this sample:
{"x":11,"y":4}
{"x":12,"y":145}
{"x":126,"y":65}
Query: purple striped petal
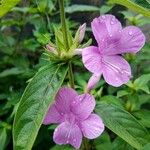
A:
{"x":52,"y":116}
{"x":67,"y":133}
{"x":91,"y":58}
{"x":131,"y":41}
{"x":106,"y":29}
{"x":93,"y":81}
{"x":92,"y":127}
{"x":83,"y":106}
{"x":116,"y":70}
{"x":64,"y":98}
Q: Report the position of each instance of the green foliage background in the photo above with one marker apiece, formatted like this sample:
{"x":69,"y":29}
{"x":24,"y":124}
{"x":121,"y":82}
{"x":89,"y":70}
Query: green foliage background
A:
{"x":24,"y":32}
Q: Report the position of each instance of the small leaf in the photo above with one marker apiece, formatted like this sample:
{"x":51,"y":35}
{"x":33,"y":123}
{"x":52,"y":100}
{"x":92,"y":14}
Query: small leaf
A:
{"x":103,"y":142}
{"x":143,"y":116}
{"x":3,"y":138}
{"x":6,"y":5}
{"x":34,"y":104}
{"x":140,"y":83}
{"x":105,"y":8}
{"x":81,"y":8}
{"x":144,"y":79}
{"x":11,"y":71}
{"x":122,"y":93}
{"x":119,"y":144}
{"x":123,"y":124}
{"x":146,"y":147}
{"x":109,"y":99}
{"x":139,"y":6}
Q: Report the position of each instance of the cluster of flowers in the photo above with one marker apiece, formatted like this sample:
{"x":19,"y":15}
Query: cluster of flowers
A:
{"x":74,"y":112}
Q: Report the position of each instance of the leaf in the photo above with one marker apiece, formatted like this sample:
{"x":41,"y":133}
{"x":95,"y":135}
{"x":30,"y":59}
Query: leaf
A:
{"x":34,"y":104}
{"x":6,"y":5}
{"x":119,"y":144}
{"x":3,"y":138}
{"x":122,"y":93}
{"x":146,"y":147}
{"x":143,"y":116}
{"x":109,"y":99}
{"x":139,"y":6}
{"x":144,"y":79}
{"x":123,"y":124}
{"x":81,"y":8}
{"x":103,"y":142}
{"x":11,"y":71}
{"x":140,"y":83}
{"x":105,"y":8}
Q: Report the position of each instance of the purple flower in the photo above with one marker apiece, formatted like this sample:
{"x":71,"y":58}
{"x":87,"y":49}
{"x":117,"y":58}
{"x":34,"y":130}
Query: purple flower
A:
{"x":74,"y":114}
{"x":113,"y":41}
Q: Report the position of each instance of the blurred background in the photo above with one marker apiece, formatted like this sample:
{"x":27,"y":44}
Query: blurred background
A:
{"x":25,"y":31}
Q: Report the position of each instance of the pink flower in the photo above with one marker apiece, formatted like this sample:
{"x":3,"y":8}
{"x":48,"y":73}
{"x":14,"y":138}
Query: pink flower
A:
{"x":113,"y":41}
{"x":74,"y":114}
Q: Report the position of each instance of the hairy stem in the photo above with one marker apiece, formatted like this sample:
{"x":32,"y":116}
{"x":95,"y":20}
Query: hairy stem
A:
{"x":71,"y":77}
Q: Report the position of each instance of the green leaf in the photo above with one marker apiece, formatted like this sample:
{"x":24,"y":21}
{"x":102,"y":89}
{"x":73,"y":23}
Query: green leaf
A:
{"x":123,"y":124}
{"x":105,"y":8}
{"x":81,"y":8}
{"x":139,"y":6}
{"x":122,"y":93}
{"x":3,"y":138}
{"x":6,"y":5}
{"x":144,"y":79}
{"x":119,"y":144}
{"x":109,"y":99}
{"x":59,"y":39}
{"x":146,"y":147}
{"x":103,"y":142}
{"x":34,"y":104}
{"x":143,"y":116}
{"x":141,"y":83}
{"x":11,"y":71}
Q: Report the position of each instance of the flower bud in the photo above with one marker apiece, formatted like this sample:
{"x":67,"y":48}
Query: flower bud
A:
{"x":81,"y":30}
{"x":50,"y":48}
{"x":80,"y":34}
{"x":78,"y":51}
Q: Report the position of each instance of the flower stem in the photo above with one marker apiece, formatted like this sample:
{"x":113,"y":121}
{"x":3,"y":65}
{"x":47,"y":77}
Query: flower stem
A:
{"x":63,"y":23}
{"x":85,"y":145}
{"x":71,"y":77}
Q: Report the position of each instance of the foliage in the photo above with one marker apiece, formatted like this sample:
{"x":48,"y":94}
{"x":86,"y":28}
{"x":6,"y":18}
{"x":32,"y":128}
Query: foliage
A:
{"x":6,"y":5}
{"x":140,"y":6}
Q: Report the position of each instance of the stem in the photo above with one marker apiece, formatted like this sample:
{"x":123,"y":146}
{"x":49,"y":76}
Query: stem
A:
{"x":85,"y":145}
{"x":71,"y":77}
{"x":63,"y":23}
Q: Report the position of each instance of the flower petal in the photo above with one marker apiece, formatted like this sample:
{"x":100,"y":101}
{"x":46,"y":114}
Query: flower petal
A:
{"x":116,"y":70}
{"x":131,"y":41}
{"x":82,"y":106}
{"x":92,"y":127}
{"x":93,"y":81}
{"x":67,"y":133}
{"x":52,"y":116}
{"x":64,"y":98}
{"x":91,"y":58}
{"x":106,"y":29}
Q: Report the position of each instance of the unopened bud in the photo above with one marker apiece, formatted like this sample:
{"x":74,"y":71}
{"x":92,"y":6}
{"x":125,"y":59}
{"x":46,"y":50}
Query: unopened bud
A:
{"x":82,"y":29}
{"x":78,"y":51}
{"x":50,"y":48}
